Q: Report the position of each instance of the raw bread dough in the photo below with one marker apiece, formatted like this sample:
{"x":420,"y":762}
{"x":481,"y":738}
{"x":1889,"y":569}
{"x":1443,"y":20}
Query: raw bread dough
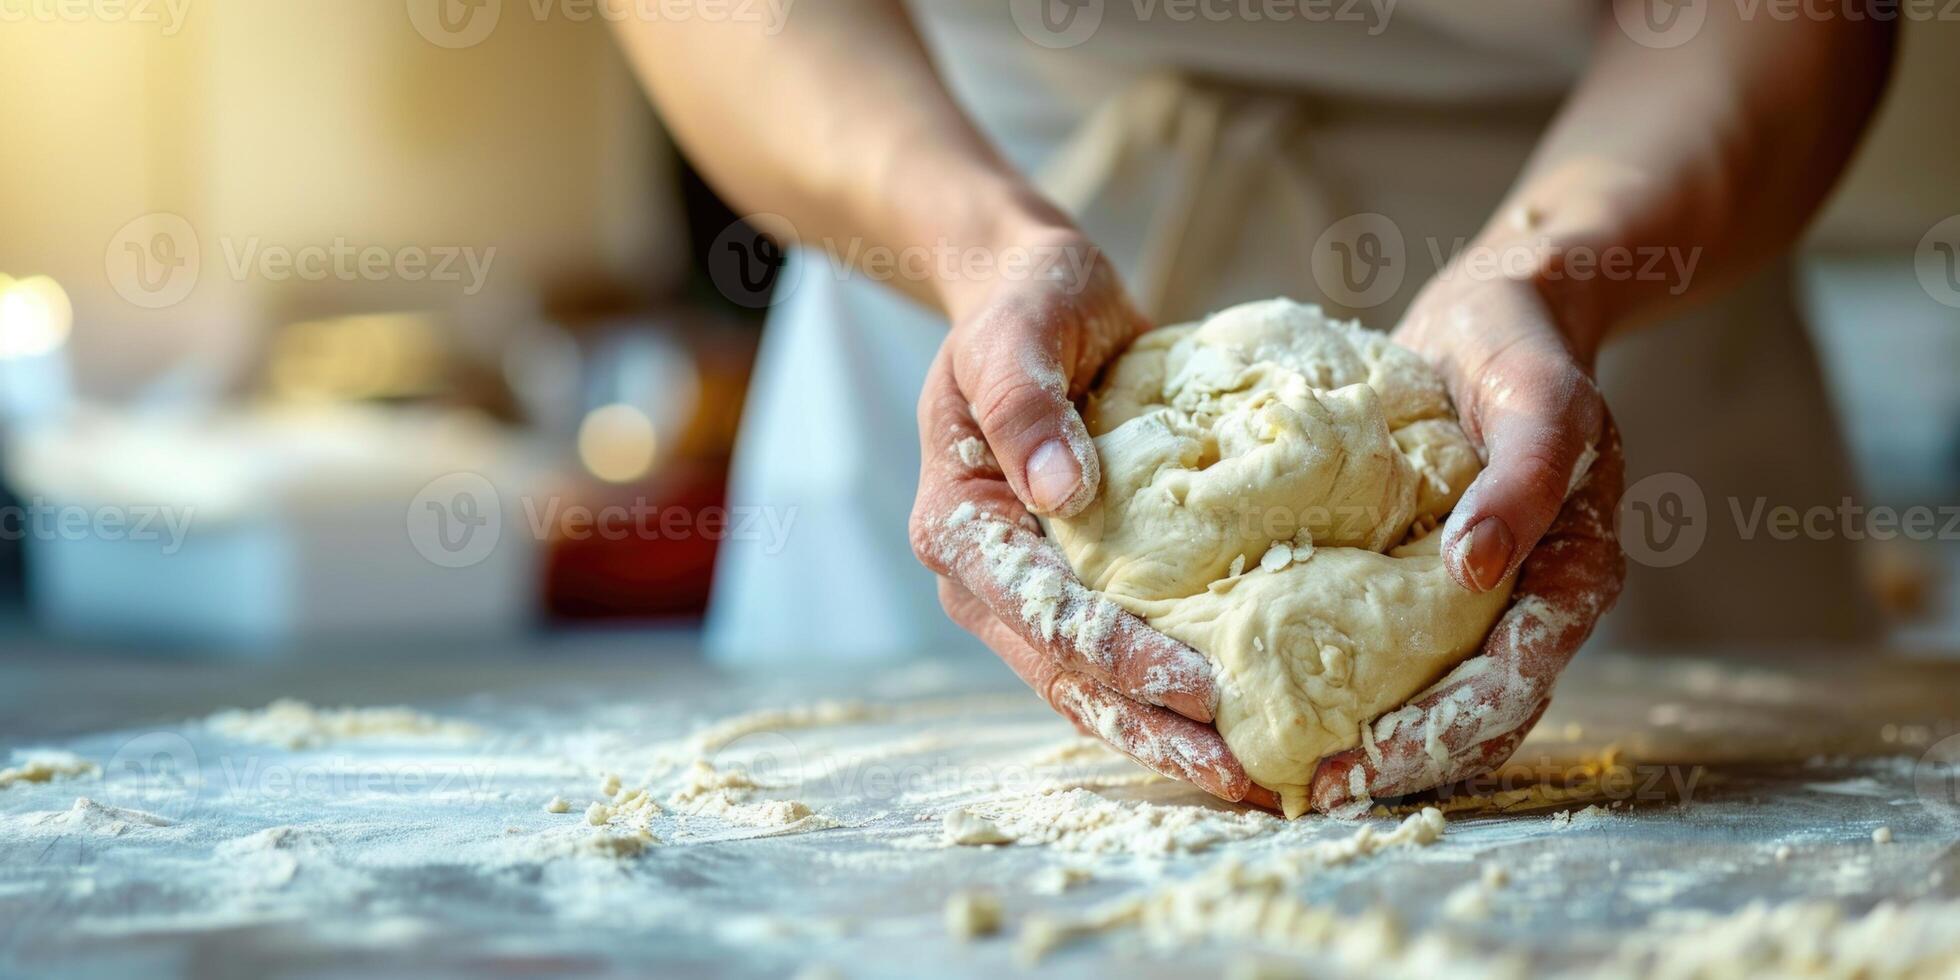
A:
{"x":1272,"y":482}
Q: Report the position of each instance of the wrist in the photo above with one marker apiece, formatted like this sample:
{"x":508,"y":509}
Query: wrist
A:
{"x":1014,"y":236}
{"x":1576,"y":282}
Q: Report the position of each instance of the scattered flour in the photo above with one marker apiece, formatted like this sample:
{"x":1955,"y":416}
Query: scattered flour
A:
{"x":1085,"y":821}
{"x":96,"y":819}
{"x":46,"y":766}
{"x":1237,"y":901}
{"x":728,"y":794}
{"x":1799,"y":939}
{"x":293,"y":724}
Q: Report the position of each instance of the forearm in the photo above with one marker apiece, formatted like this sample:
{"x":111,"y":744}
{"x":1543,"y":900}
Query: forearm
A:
{"x":1671,"y":172}
{"x":839,"y":123}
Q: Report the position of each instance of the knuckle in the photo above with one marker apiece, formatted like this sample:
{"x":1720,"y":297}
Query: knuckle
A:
{"x":1010,"y":404}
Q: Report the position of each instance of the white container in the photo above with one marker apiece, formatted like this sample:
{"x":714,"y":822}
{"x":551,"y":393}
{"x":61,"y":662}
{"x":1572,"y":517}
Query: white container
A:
{"x":257,"y":531}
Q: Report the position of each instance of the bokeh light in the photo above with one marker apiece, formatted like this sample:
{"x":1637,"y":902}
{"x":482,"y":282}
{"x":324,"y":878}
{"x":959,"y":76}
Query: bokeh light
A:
{"x":617,"y":443}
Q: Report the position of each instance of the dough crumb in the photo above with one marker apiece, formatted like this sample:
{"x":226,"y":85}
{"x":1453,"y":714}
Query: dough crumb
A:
{"x":964,"y":827}
{"x":598,"y":814}
{"x":293,"y":724}
{"x":1882,"y":835}
{"x":45,"y":767}
{"x":1058,"y":879}
{"x":972,"y":914}
{"x":557,"y":804}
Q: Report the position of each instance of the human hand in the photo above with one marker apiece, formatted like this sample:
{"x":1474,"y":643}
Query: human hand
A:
{"x":1002,"y":441}
{"x":1527,"y":398}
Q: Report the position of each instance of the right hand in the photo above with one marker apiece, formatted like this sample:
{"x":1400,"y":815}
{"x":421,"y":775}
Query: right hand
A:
{"x":1001,"y":442}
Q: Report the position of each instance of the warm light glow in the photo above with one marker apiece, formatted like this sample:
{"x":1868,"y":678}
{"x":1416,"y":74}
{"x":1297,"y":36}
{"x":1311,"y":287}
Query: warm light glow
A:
{"x":35,"y":317}
{"x":616,"y":443}
{"x":394,"y":355}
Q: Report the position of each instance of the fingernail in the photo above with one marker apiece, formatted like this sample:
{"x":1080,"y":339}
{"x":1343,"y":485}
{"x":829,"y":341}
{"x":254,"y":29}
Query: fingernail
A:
{"x":1489,"y":554}
{"x":1053,"y":476}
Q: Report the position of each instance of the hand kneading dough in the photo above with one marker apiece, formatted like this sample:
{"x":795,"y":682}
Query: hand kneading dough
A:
{"x":1272,"y":481}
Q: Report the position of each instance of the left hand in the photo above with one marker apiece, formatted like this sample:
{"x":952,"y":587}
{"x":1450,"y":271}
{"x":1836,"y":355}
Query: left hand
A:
{"x":1526,"y":397}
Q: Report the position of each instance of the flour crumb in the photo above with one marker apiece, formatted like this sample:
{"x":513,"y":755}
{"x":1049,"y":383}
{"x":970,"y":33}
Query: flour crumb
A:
{"x":1882,"y":835}
{"x":966,"y":828}
{"x":1058,"y":879}
{"x":90,"y":817}
{"x":728,"y":794}
{"x":557,"y":804}
{"x":46,"y":766}
{"x":293,"y":724}
{"x":598,"y":814}
{"x":972,"y":914}
{"x":974,"y":454}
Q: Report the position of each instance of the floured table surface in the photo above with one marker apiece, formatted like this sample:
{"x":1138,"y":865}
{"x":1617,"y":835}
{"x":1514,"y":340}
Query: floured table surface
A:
{"x":812,"y":822}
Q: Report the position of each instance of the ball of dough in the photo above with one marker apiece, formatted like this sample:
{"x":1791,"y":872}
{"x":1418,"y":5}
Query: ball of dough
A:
{"x":1272,"y":484}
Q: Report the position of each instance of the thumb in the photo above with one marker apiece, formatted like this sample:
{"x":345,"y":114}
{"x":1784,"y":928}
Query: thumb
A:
{"x":1536,"y":431}
{"x":1011,"y":370}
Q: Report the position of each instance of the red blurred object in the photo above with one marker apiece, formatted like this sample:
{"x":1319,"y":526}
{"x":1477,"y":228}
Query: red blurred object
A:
{"x":635,"y":575}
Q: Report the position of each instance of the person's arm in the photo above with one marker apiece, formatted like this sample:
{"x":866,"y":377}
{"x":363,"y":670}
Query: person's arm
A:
{"x":837,"y":120}
{"x":838,"y":123}
{"x":1712,"y":156}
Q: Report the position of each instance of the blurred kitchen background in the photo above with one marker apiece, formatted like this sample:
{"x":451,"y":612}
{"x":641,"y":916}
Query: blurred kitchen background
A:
{"x":280,"y":274}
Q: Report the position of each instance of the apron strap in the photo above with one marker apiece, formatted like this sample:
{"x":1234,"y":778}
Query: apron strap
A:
{"x":1218,"y":147}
